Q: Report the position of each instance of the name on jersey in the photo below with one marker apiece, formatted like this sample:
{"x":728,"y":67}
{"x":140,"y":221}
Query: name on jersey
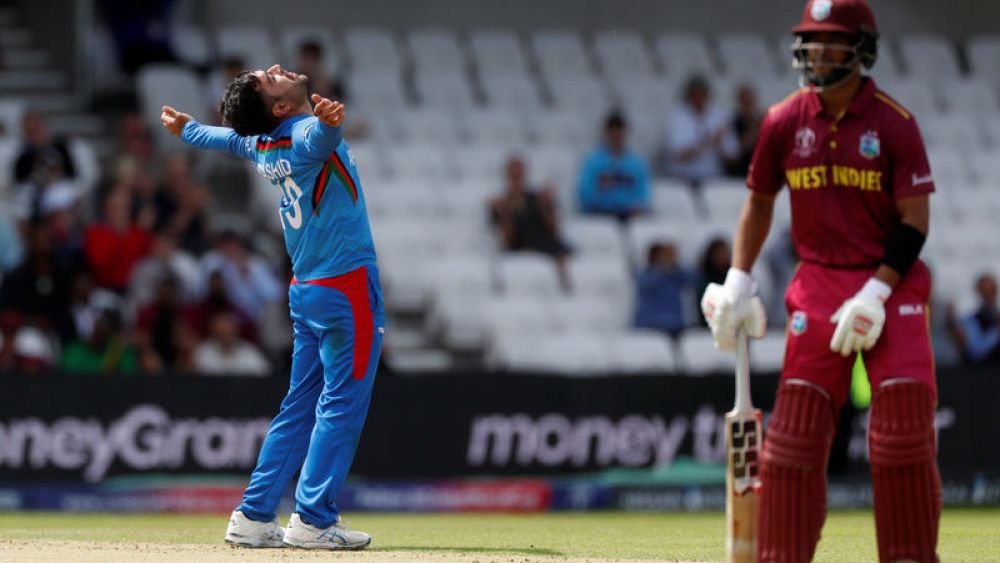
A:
{"x":816,"y":177}
{"x":276,"y":171}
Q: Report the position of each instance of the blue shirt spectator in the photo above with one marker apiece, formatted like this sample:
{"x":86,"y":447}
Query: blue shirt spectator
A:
{"x":659,"y":289}
{"x":978,"y":333}
{"x":614,"y":180}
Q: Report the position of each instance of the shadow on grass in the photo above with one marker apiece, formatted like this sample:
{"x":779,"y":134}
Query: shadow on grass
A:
{"x":509,"y":550}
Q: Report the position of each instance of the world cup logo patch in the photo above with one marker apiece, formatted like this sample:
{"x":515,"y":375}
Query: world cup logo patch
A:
{"x":869,"y":145}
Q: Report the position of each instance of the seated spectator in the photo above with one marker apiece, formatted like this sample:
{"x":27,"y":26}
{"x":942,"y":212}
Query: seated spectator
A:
{"x":11,"y":248}
{"x":33,"y":350}
{"x":116,"y":244}
{"x":698,"y":139}
{"x":224,"y":353}
{"x":977,"y":334}
{"x":181,"y":205}
{"x":135,"y":140}
{"x":88,"y":303}
{"x":164,"y":337}
{"x":659,"y":289}
{"x":615,"y":179}
{"x":745,"y":127}
{"x":164,"y":260}
{"x":526,"y":219}
{"x":715,"y":262}
{"x":250,"y":282}
{"x":104,"y":352}
{"x":39,"y":288}
{"x":216,"y":301}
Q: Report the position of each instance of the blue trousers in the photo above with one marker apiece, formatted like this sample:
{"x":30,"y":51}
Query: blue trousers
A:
{"x":338,"y":324}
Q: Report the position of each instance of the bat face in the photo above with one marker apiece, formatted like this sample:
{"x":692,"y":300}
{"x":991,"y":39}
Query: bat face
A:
{"x":743,"y":446}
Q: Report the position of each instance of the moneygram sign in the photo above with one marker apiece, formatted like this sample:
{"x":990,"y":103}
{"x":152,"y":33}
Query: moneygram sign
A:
{"x":144,"y":438}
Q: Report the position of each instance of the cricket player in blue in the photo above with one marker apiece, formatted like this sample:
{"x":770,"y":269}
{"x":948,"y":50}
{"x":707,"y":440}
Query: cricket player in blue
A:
{"x":335,"y":301}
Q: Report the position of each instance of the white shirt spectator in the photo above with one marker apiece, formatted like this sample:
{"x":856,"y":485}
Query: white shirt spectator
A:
{"x":688,"y":130}
{"x":237,"y":358}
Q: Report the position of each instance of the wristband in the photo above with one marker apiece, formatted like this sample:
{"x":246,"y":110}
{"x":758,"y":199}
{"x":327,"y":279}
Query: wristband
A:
{"x":903,"y":248}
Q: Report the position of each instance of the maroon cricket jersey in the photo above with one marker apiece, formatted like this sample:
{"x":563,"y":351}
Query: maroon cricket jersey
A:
{"x":844,"y":175}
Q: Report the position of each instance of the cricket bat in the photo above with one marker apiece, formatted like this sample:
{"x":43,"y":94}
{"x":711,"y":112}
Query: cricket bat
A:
{"x":743,"y":449}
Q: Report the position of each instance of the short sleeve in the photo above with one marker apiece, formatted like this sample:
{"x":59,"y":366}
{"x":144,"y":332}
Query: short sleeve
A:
{"x":911,"y":172}
{"x":766,"y":174}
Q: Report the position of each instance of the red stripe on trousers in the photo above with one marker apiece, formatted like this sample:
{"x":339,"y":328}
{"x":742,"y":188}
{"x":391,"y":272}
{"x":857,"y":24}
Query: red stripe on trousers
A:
{"x":354,"y":286}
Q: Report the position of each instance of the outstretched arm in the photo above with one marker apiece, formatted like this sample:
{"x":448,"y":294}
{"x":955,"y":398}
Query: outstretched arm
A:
{"x":204,"y":136}
{"x":323,"y":138}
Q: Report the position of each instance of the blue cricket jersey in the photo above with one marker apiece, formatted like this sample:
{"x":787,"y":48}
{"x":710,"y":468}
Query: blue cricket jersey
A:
{"x":322,"y":208}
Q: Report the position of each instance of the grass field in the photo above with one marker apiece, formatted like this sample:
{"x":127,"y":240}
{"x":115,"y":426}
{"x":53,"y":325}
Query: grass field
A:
{"x":966,"y":535}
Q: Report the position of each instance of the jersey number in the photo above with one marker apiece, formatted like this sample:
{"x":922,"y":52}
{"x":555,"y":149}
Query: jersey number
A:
{"x":291,"y":192}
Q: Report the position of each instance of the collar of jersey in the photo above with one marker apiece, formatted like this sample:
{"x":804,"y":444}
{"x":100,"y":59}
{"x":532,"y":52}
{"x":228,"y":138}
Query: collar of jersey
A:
{"x":286,"y":125}
{"x":857,"y":106}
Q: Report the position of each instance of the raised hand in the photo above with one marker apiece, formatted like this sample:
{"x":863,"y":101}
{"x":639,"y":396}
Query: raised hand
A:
{"x":174,"y":120}
{"x":328,"y":111}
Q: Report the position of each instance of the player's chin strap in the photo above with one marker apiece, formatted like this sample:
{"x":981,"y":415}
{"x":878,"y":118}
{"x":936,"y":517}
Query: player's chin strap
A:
{"x":839,"y":74}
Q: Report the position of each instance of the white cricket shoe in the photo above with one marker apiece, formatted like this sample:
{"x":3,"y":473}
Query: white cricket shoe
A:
{"x":337,"y":536}
{"x":245,"y":532}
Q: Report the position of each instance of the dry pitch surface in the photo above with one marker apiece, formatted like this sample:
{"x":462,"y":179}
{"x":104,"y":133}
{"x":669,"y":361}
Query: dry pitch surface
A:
{"x":966,"y":535}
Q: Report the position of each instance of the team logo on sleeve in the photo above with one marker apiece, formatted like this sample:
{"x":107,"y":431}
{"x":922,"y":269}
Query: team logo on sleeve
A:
{"x":821,"y":10}
{"x":805,"y":142}
{"x":798,"y":324}
{"x":869,"y":145}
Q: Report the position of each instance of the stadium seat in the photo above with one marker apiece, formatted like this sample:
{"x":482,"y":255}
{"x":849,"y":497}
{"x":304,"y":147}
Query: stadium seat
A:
{"x":569,"y":129}
{"x":446,"y":91}
{"x":976,"y":97}
{"x":431,"y":126}
{"x":747,"y":54}
{"x":377,"y":93}
{"x":914,"y":93}
{"x":642,"y":352}
{"x":888,"y":67}
{"x":645,"y":99}
{"x":528,"y":274}
{"x":436,"y":52}
{"x":623,"y":56}
{"x":930,"y":57}
{"x":514,"y":92}
{"x":673,"y":202}
{"x":372,"y":51}
{"x":950,"y":132}
{"x":9,"y":147}
{"x":560,"y":53}
{"x":163,"y":84}
{"x":582,"y":95}
{"x":191,"y":44}
{"x":984,"y":57}
{"x":558,"y":166}
{"x":683,"y":54}
{"x":767,"y":355}
{"x":498,"y":52}
{"x":459,"y":290}
{"x":11,"y":114}
{"x":497,"y":127}
{"x":698,"y":355}
{"x":292,"y":38}
{"x":594,"y":236}
{"x":425,"y":163}
{"x":725,"y":197}
{"x":584,"y":313}
{"x":949,"y":166}
{"x":251,"y":43}
{"x":603,"y":278}
{"x":573,"y":353}
{"x":483,"y":164}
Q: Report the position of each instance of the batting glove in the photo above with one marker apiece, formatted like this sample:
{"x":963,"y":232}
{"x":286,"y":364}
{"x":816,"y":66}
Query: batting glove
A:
{"x":728,"y":306}
{"x":860,"y":319}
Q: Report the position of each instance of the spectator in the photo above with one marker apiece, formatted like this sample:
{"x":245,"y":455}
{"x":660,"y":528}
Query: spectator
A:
{"x":88,"y":303}
{"x":39,"y":288}
{"x":164,"y":260}
{"x":46,"y":161}
{"x":745,"y":127}
{"x":526,"y":219}
{"x":715,"y":262}
{"x":216,"y":301}
{"x":615,"y":179}
{"x":224,"y":353}
{"x":115,"y":245}
{"x":977,"y":334}
{"x":136,"y":141}
{"x":141,"y":31}
{"x":11,"y":248}
{"x":698,"y":139}
{"x":249,"y":281}
{"x":164,"y":337}
{"x":181,"y":205}
{"x":659,"y":289}
{"x":104,"y":352}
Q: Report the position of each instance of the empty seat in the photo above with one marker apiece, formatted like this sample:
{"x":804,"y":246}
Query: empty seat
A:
{"x":573,"y":353}
{"x":976,"y":97}
{"x":163,"y":84}
{"x":498,"y":52}
{"x":378,"y":92}
{"x":190,"y":43}
{"x":645,"y":98}
{"x":594,"y":236}
{"x":11,"y":114}
{"x":952,"y":132}
{"x":767,"y":354}
{"x":581,"y":94}
{"x":604,"y":278}
{"x":513,"y":93}
{"x":641,"y":352}
{"x":698,"y":355}
{"x":431,"y":126}
{"x":482,"y":165}
{"x":747,"y":54}
{"x":560,"y":53}
{"x":914,"y":93}
{"x":425,"y":163}
{"x":984,"y":57}
{"x":436,"y":52}
{"x":459,"y":289}
{"x":497,"y":127}
{"x":252,"y":44}
{"x":556,"y":166}
{"x":372,"y":51}
{"x":291,"y":40}
{"x":930,"y":57}
{"x":448,"y":91}
{"x":571,"y":129}
{"x":623,"y":55}
{"x":683,"y":54}
{"x":528,"y":274}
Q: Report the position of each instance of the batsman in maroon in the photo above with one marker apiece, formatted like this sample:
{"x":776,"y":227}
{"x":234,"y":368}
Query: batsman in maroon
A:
{"x":858,"y":179}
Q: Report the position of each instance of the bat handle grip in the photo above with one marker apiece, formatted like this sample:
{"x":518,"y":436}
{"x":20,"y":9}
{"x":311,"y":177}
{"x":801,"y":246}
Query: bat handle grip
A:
{"x":743,"y":400}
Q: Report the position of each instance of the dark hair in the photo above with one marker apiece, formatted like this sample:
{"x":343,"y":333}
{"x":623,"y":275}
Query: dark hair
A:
{"x":696,"y":82}
{"x":615,"y":120}
{"x":245,"y":108}
{"x":311,"y":47}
